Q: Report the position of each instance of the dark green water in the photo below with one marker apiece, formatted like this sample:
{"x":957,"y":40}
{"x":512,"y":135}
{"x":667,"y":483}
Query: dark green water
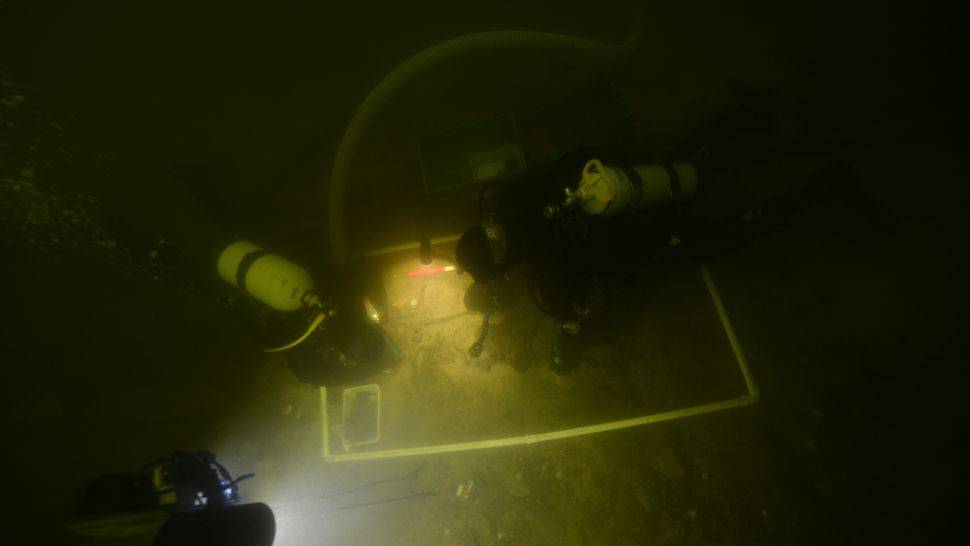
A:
{"x":125,"y":123}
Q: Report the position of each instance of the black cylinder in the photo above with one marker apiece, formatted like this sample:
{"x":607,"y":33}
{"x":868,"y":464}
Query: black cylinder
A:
{"x":239,"y":525}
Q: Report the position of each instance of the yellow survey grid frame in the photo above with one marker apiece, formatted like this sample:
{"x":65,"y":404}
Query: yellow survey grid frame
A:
{"x":746,"y":400}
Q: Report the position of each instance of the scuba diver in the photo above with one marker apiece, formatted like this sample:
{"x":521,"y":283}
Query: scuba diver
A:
{"x":567,"y":233}
{"x":598,"y":220}
{"x":328,"y":336}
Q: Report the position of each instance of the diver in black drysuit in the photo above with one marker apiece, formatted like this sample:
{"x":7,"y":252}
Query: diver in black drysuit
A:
{"x":560,"y":257}
{"x":571,"y":260}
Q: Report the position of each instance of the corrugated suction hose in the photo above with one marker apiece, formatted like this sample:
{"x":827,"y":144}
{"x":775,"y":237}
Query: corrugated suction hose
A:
{"x":426,"y":59}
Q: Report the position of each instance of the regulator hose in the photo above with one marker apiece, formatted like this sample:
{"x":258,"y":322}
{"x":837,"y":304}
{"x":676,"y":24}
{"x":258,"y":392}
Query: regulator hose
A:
{"x":310,"y":329}
{"x":424,"y":60}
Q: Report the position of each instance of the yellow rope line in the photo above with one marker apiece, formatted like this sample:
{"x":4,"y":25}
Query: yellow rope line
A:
{"x":527,"y":439}
{"x":313,"y":326}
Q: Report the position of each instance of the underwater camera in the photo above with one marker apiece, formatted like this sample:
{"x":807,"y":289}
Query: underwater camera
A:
{"x":187,"y":499}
